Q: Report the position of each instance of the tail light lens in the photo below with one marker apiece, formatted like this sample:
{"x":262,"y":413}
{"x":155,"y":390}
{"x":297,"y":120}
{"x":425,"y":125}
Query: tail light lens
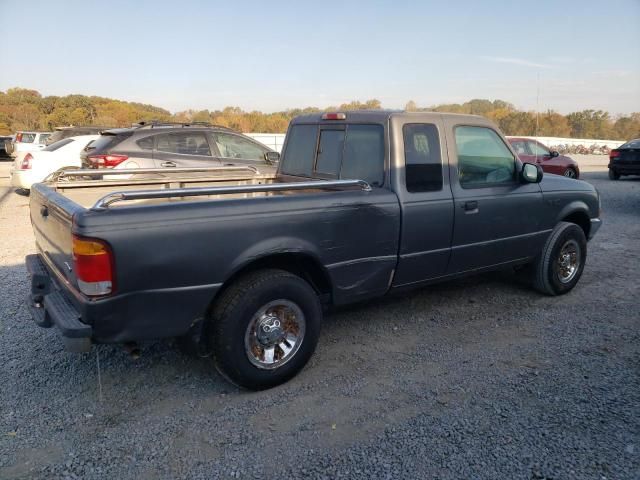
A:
{"x":106,"y":161}
{"x":614,"y":154}
{"x":26,"y":162}
{"x":334,"y":116}
{"x":94,"y":266}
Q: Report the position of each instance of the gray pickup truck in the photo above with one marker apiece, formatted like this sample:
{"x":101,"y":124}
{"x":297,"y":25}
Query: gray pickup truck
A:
{"x":242,"y":265}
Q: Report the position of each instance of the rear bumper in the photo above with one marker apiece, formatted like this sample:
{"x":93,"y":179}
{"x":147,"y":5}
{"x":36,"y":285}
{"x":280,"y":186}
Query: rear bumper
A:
{"x":49,"y":307}
{"x":625,"y":168}
{"x":137,"y":316}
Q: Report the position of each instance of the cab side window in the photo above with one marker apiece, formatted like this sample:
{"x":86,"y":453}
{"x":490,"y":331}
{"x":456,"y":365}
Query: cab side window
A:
{"x":423,"y":164}
{"x":483,"y":158}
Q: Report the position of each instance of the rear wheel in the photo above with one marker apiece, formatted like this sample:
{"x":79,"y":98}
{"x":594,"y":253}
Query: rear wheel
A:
{"x":570,"y":173}
{"x":559,"y":266}
{"x":613,"y":175}
{"x":264,"y":328}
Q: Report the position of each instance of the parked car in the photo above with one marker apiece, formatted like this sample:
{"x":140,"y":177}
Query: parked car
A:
{"x":529,"y":150}
{"x":3,"y":150}
{"x":625,"y":160}
{"x":26,"y":142}
{"x":163,"y":145}
{"x":61,"y":133}
{"x":363,"y":204}
{"x":31,"y":167}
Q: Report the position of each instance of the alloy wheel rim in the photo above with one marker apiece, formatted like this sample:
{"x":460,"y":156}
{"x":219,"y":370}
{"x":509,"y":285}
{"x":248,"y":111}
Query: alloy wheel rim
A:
{"x":274,"y":334}
{"x":568,"y":261}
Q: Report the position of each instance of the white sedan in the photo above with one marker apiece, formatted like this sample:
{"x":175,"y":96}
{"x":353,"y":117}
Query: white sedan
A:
{"x":33,"y":167}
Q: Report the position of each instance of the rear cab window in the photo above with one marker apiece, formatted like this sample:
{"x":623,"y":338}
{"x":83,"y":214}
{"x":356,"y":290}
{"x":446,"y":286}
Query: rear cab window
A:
{"x":351,"y":151}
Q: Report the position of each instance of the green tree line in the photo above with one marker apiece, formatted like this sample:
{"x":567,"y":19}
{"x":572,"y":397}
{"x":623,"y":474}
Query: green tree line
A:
{"x":25,"y":109}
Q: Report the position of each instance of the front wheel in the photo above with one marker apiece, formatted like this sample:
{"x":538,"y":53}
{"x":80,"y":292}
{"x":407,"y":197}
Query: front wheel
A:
{"x":264,"y":328}
{"x":613,"y":175}
{"x":559,"y":266}
{"x":570,"y":173}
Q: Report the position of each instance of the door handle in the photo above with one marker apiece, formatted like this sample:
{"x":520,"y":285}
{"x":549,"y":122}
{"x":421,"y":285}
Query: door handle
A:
{"x":168,"y":164}
{"x":470,"y":207}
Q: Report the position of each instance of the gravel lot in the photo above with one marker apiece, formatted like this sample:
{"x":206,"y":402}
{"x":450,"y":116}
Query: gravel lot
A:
{"x":477,"y":378}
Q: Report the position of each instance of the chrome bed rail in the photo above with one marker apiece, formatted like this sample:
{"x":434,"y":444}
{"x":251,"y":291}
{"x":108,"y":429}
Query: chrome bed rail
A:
{"x":113,"y":197}
{"x":98,"y":172}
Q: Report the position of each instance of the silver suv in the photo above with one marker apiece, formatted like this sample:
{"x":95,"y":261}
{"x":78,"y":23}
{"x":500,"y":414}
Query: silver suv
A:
{"x":171,"y":145}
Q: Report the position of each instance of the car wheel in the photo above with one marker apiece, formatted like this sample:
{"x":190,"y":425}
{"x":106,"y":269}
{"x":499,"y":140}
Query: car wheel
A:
{"x":613,"y":175}
{"x":264,"y":328}
{"x":570,"y":173}
{"x":559,"y":266}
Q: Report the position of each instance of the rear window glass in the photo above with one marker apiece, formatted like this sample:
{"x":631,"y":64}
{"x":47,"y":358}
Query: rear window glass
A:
{"x":631,"y":144}
{"x":423,"y":172}
{"x":300,"y":152}
{"x":56,"y":145}
{"x":330,"y":150}
{"x":105,"y":142}
{"x":356,"y":153}
{"x":364,"y":154}
{"x":43,"y":137}
{"x":57,"y":135}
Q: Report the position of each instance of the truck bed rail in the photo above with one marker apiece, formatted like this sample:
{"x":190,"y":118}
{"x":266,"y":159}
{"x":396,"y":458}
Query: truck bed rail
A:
{"x":113,"y":197}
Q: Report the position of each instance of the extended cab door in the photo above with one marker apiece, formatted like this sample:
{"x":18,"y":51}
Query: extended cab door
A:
{"x":421,"y":180}
{"x":497,"y":218}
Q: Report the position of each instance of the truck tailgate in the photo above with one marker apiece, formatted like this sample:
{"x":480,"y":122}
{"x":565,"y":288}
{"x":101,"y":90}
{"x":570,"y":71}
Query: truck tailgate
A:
{"x":52,"y":219}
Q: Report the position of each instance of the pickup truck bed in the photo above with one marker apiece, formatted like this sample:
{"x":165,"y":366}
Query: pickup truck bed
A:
{"x":241,"y":265}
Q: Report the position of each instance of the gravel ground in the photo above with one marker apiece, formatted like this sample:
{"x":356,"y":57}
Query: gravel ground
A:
{"x":477,"y":378}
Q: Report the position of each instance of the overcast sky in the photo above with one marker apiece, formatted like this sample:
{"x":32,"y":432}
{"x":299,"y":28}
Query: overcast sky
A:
{"x":275,"y":55}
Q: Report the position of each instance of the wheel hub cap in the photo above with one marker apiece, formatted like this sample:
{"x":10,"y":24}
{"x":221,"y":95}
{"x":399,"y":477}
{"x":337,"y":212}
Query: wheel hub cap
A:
{"x":568,"y":261}
{"x":274,"y":334}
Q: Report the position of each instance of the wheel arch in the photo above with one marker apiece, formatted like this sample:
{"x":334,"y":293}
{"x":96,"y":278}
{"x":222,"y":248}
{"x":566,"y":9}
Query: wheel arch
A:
{"x":300,"y":263}
{"x":579,"y":216}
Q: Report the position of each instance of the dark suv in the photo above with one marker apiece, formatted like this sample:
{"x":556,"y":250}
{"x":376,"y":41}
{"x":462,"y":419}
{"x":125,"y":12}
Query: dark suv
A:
{"x":170,"y":145}
{"x":61,"y":133}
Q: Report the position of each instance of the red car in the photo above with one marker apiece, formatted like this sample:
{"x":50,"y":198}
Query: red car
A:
{"x":533,"y":151}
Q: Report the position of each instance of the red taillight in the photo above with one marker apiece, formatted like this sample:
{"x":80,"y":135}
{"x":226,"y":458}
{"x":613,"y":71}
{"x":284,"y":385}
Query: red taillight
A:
{"x":107,"y":161}
{"x":18,"y":137}
{"x":614,"y":154}
{"x":26,"y":162}
{"x":93,"y":262}
{"x":334,"y":116}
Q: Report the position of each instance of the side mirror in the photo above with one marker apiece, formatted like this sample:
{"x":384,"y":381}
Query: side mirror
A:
{"x":531,"y":173}
{"x":271,"y":157}
{"x":554,"y":154}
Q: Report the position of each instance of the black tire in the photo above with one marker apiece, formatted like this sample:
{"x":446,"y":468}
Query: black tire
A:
{"x":570,"y":173}
{"x":613,"y":175}
{"x":237,"y":308}
{"x":547,"y":273}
